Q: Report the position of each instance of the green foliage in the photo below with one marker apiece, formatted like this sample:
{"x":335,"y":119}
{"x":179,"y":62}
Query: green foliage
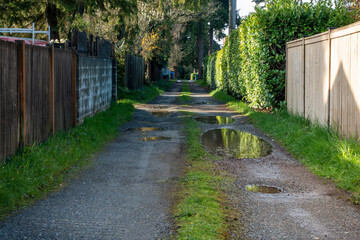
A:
{"x":210,"y":70}
{"x":319,"y":148}
{"x":252,"y":63}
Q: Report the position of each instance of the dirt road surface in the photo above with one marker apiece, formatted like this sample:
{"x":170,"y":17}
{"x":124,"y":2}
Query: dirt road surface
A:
{"x":126,"y":194}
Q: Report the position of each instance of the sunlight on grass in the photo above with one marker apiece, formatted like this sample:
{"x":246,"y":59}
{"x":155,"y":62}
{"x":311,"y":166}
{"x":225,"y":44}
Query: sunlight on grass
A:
{"x":185,"y":94}
{"x":200,"y":213}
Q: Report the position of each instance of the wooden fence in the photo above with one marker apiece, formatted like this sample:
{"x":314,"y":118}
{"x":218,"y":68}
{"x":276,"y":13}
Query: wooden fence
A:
{"x":134,"y":72}
{"x":323,"y":78}
{"x":36,"y":89}
{"x":44,"y":90}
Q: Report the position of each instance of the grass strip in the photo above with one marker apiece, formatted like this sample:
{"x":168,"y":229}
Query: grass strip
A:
{"x":39,"y":169}
{"x":201,"y":83}
{"x":185,"y":94}
{"x":200,"y":213}
{"x":321,"y":149}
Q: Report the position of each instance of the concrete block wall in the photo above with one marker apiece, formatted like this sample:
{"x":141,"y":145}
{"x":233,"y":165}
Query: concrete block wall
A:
{"x":94,"y":85}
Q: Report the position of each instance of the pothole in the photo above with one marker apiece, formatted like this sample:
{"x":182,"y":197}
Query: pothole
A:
{"x":202,"y":103}
{"x":160,"y":114}
{"x":147,"y":139}
{"x":215,"y":119}
{"x":226,"y":142}
{"x":144,"y":129}
{"x":262,"y":189}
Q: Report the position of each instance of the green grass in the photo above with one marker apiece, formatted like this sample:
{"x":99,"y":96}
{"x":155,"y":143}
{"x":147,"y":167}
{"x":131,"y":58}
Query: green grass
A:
{"x":146,"y":93}
{"x":185,"y":94}
{"x":322,"y":150}
{"x":37,"y":170}
{"x":201,"y":82}
{"x":200,"y":213}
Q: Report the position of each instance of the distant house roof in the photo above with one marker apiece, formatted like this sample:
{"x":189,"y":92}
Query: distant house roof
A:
{"x":27,"y":41}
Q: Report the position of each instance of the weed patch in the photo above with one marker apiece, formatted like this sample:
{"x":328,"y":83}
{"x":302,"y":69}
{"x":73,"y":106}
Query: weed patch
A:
{"x":200,"y":213}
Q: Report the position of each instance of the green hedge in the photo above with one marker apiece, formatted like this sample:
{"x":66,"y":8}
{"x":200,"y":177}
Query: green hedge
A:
{"x":251,"y":65}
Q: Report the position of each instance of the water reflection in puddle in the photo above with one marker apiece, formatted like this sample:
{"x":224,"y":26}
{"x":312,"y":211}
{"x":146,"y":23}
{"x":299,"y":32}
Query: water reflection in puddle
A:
{"x":262,"y":189}
{"x":146,"y":139}
{"x":160,"y":114}
{"x":215,"y":119}
{"x":144,"y":129}
{"x":235,"y":143}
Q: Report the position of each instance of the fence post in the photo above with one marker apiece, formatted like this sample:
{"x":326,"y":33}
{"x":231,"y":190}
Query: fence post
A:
{"x":329,"y":90}
{"x":73,"y":87}
{"x":304,"y":77}
{"x":52,"y":91}
{"x":22,"y":86}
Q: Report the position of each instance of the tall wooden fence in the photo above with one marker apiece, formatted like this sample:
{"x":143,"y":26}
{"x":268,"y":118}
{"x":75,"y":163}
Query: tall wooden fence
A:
{"x":134,"y":71}
{"x":36,"y":88}
{"x":323,"y":78}
{"x":44,"y":90}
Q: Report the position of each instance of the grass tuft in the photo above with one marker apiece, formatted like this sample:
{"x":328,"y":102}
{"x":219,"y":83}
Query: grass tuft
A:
{"x":200,"y":213}
{"x":185,"y":94}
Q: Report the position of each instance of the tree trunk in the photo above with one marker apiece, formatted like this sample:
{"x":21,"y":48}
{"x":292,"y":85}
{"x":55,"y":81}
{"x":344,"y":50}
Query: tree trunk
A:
{"x":51,"y":16}
{"x":200,"y":46}
{"x":211,"y":36}
{"x":232,"y":15}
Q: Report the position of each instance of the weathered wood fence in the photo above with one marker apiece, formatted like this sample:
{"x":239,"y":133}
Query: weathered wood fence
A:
{"x":134,"y":72}
{"x":323,"y":78}
{"x":44,"y":90}
{"x":36,"y":94}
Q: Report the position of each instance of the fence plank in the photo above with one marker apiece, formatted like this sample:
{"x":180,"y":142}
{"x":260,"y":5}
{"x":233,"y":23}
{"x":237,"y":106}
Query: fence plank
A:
{"x":295,"y":80}
{"x":9,"y":94}
{"x":63,"y":94}
{"x":22,"y":92}
{"x":317,"y":81}
{"x":331,"y":78}
{"x":73,"y":87}
{"x":51,"y":91}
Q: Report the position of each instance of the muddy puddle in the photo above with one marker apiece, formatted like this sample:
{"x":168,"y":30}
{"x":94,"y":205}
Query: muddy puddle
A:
{"x":215,"y":119}
{"x":147,"y":139}
{"x":160,"y":114}
{"x":235,"y":143}
{"x":144,"y":129}
{"x":262,"y":189}
{"x":202,"y":103}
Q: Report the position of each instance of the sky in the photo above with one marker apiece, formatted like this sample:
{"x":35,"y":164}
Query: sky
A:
{"x":245,"y":6}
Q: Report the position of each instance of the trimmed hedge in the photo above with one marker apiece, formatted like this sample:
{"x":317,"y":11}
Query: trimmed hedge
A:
{"x":251,"y":65}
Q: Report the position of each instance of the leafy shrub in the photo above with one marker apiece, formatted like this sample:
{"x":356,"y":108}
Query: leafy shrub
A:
{"x":251,"y":65}
{"x":210,"y":72}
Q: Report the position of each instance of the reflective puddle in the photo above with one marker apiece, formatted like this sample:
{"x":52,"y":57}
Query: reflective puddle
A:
{"x":146,"y":139}
{"x":215,"y":119}
{"x":262,"y":189}
{"x":235,"y":143}
{"x":160,"y":114}
{"x":144,"y":129}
